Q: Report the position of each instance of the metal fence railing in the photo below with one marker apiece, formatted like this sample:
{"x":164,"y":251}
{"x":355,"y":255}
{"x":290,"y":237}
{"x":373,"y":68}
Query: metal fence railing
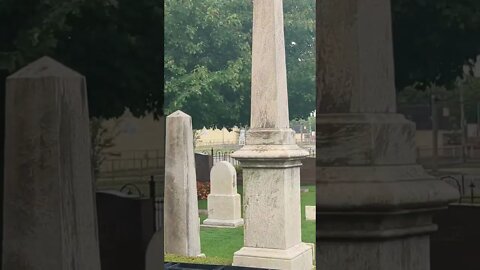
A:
{"x":128,"y":164}
{"x":134,"y":160}
{"x":447,"y":155}
{"x":467,"y":185}
{"x":225,"y":155}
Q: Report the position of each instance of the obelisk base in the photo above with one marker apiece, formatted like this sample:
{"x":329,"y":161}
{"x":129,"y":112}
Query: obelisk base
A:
{"x":406,"y":253}
{"x":299,"y":257}
{"x":374,"y":203}
{"x":219,"y":223}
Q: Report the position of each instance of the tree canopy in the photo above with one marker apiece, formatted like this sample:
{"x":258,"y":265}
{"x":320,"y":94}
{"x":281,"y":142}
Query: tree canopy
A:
{"x":116,"y":44}
{"x":434,"y":39}
{"x":208,"y":59}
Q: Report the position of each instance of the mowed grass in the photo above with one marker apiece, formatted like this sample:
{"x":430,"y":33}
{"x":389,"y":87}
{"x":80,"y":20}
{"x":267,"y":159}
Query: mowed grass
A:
{"x":220,"y":244}
{"x":207,"y":260}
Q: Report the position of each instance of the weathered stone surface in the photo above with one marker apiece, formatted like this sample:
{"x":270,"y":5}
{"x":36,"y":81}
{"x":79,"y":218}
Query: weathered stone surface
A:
{"x":355,"y":71}
{"x":49,"y":203}
{"x":181,"y":222}
{"x":272,"y":195}
{"x":299,"y":256}
{"x":271,"y":159}
{"x":374,"y":204}
{"x":269,"y":73}
{"x":365,"y":139}
{"x":310,"y":213}
{"x":223,"y":179}
{"x":396,"y":254}
{"x":224,"y":203}
{"x":379,"y":188}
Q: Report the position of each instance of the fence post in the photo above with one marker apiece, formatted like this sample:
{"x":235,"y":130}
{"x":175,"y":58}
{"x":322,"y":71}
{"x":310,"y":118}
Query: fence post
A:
{"x":472,"y":194}
{"x":213,"y":158}
{"x":152,"y":198}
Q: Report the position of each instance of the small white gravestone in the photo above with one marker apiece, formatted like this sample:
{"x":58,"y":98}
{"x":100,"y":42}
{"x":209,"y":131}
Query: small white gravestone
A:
{"x":241,"y":139}
{"x":224,"y":203}
{"x":310,"y":213}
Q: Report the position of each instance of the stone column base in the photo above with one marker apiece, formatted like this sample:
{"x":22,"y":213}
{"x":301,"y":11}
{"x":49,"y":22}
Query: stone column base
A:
{"x":405,"y":253}
{"x":299,"y":257}
{"x":218,"y":223}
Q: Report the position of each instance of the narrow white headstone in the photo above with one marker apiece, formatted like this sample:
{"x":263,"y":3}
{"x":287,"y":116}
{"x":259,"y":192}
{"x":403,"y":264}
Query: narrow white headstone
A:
{"x":224,"y":203}
{"x":182,"y":225}
{"x":49,"y":205}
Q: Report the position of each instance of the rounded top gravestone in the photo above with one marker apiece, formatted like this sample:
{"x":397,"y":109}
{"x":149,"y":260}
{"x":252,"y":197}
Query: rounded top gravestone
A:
{"x":223,"y":179}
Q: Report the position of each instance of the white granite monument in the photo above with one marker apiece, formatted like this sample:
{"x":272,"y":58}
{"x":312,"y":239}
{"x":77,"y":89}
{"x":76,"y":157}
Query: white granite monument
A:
{"x":50,"y":217}
{"x":181,"y":219}
{"x":270,"y":159}
{"x":374,"y":203}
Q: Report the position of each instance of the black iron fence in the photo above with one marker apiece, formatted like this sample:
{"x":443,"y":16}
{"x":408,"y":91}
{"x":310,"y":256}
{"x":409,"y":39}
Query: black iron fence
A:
{"x":133,"y":160}
{"x":157,"y":201}
{"x":468,"y":187}
{"x":226,"y":155}
{"x":447,"y":155}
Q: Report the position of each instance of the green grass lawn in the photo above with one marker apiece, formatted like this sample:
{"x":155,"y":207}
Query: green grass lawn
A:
{"x":220,"y":244}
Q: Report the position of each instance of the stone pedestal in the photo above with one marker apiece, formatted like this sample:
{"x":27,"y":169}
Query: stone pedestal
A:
{"x":296,"y":257}
{"x":374,"y":203}
{"x":181,"y":220}
{"x":270,"y":158}
{"x":49,"y":205}
{"x":271,"y":188}
{"x":224,"y":203}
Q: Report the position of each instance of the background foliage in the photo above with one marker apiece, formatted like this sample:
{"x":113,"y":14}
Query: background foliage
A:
{"x":116,"y":44}
{"x":208,"y":59}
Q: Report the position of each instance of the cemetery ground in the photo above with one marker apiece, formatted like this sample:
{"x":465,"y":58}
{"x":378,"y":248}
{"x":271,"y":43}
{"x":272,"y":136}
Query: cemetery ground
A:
{"x":219,"y":244}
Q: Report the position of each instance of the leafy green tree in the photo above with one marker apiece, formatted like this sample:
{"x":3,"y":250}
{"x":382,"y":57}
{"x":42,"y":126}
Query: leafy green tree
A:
{"x":433,"y":40}
{"x":116,"y":44}
{"x":208,"y":59}
{"x":471,"y":88}
{"x":207,"y":62}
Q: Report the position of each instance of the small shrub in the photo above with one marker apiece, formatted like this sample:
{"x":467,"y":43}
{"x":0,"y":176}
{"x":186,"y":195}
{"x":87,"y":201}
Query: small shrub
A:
{"x":203,"y":189}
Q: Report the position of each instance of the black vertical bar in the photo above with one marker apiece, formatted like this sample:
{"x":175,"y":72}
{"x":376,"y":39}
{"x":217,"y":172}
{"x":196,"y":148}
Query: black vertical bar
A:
{"x":152,"y":197}
{"x":472,"y":186}
{"x":3,"y":76}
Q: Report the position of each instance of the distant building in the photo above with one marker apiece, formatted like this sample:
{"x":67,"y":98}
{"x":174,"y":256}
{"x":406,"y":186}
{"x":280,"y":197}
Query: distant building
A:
{"x":449,"y":133}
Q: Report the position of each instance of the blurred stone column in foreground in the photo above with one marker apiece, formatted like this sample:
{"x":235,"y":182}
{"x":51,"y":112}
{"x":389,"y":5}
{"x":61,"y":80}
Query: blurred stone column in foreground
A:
{"x":374,"y":203}
{"x":49,"y":207}
{"x":271,"y":159}
{"x":181,"y":219}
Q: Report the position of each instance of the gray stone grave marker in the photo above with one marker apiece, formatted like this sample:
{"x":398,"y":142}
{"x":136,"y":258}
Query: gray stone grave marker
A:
{"x":181,"y":219}
{"x":49,"y":203}
{"x":224,"y":203}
